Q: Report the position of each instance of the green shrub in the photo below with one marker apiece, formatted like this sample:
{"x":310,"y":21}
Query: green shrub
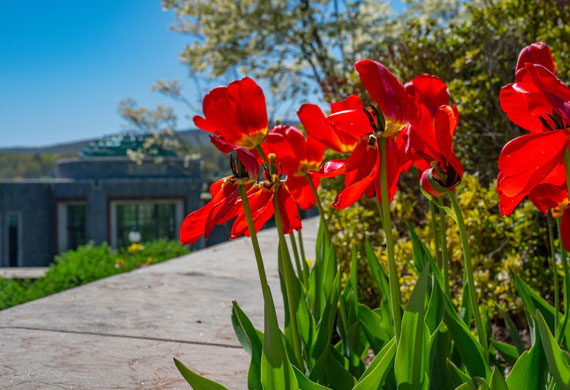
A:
{"x":87,"y":264}
{"x":497,"y":243}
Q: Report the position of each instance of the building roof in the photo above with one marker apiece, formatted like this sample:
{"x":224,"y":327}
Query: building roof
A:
{"x":116,"y":145}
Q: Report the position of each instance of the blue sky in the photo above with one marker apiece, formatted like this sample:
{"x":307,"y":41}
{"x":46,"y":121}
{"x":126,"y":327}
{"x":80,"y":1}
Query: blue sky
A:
{"x":65,"y":64}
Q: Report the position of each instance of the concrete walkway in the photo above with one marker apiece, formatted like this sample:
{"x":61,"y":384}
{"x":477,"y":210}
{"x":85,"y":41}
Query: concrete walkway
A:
{"x":122,"y":332}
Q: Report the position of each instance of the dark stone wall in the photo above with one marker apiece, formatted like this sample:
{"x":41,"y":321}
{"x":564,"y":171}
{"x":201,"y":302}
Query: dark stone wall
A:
{"x":121,"y":167}
{"x":34,"y":202}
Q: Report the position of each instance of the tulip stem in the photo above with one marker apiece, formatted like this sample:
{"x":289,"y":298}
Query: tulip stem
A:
{"x":468,"y":268}
{"x":554,"y":272}
{"x":263,"y":156}
{"x":566,"y":284}
{"x":300,"y":272}
{"x":302,"y":248}
{"x":393,"y":276}
{"x":288,"y":274}
{"x":444,"y":254}
{"x":254,"y":241}
{"x":320,"y":208}
{"x":435,"y":231}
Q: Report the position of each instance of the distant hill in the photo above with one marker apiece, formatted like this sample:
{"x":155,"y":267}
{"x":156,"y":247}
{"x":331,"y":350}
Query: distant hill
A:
{"x":194,"y":136}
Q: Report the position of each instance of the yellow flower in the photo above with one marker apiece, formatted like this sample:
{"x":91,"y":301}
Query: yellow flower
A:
{"x":134,"y":248}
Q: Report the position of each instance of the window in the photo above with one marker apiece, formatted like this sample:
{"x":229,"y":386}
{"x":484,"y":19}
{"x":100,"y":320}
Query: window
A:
{"x":153,"y":219}
{"x":70,"y":225}
{"x":13,"y":231}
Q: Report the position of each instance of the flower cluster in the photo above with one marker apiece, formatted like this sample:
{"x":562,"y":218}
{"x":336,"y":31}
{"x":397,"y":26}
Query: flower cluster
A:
{"x":411,"y":124}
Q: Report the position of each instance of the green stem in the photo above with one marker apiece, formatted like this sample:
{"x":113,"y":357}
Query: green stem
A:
{"x":254,"y":242}
{"x":319,"y":207}
{"x":435,"y":232}
{"x":468,"y":268}
{"x":566,"y":283}
{"x":393,"y":275}
{"x":287,"y":268}
{"x":296,"y":255}
{"x":302,"y":248}
{"x":263,"y":156}
{"x":444,"y":254}
{"x":554,"y":272}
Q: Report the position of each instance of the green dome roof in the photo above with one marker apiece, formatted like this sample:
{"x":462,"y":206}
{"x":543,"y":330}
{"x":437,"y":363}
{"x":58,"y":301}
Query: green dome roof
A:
{"x":117,"y":145}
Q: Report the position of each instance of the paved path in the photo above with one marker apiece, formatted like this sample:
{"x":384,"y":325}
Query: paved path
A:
{"x":122,"y":332}
{"x":22,"y":272}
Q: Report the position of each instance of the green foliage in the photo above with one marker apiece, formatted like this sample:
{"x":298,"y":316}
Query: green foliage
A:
{"x":475,"y":54}
{"x":497,"y":243}
{"x":87,"y":264}
{"x":26,"y":166}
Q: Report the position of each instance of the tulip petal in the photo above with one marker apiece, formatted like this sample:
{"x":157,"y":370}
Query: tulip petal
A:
{"x":386,"y":90}
{"x":245,"y":156}
{"x":536,"y":53}
{"x":525,"y":161}
{"x":432,"y":91}
{"x":314,"y":122}
{"x":354,"y":123}
{"x":352,"y":193}
{"x":565,"y":229}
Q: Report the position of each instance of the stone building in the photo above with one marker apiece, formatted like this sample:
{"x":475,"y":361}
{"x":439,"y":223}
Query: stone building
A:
{"x":101,"y":196}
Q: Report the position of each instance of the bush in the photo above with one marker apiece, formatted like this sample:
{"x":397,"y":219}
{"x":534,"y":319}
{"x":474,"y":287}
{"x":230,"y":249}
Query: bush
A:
{"x":87,"y":264}
{"x":497,"y":243}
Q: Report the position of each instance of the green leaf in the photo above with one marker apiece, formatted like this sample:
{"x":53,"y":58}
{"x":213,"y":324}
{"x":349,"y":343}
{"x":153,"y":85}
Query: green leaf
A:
{"x":247,"y":335}
{"x":528,"y":373}
{"x":326,"y":325}
{"x":196,"y":381}
{"x":507,"y":351}
{"x":331,"y":369}
{"x":559,"y":369}
{"x":409,"y":364}
{"x":296,"y":293}
{"x":276,"y":370}
{"x":533,"y":302}
{"x":459,"y":376}
{"x":421,"y":254}
{"x":497,"y":381}
{"x":434,"y":314}
{"x":513,"y":331}
{"x":471,"y":352}
{"x":354,"y":278}
{"x":466,"y":310}
{"x":378,"y":328}
{"x":378,"y":272}
{"x":378,"y":371}
{"x":466,"y":386}
{"x":305,"y":383}
{"x":440,"y":348}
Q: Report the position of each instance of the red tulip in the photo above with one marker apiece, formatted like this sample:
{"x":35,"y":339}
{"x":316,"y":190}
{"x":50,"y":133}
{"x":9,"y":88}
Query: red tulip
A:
{"x":260,"y":199}
{"x":237,"y":113}
{"x":539,"y":102}
{"x":298,"y":157}
{"x":536,"y":93}
{"x":340,"y":137}
{"x":362,"y":170}
{"x":388,"y":93}
{"x":436,"y":158}
{"x":219,"y":210}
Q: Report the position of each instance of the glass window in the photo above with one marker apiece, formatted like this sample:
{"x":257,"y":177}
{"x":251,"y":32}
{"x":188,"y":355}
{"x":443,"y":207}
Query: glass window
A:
{"x":75,"y":225}
{"x":13,"y":239}
{"x":152,"y":220}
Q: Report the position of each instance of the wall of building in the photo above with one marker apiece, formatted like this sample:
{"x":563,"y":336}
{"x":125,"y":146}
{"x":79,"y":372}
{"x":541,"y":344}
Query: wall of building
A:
{"x":33,"y":202}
